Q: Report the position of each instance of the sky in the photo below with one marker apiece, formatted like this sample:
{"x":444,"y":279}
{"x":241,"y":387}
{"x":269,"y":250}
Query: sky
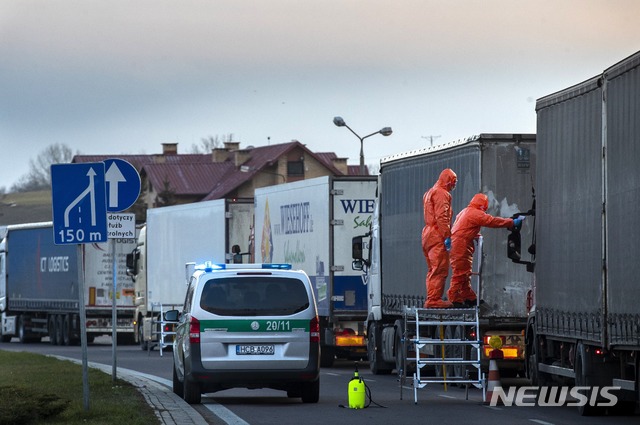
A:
{"x":123,"y":77}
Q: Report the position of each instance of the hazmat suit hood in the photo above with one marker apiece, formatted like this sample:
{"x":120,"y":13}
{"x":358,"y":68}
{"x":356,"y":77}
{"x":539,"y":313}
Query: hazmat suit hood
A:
{"x":479,"y":201}
{"x":447,"y":179}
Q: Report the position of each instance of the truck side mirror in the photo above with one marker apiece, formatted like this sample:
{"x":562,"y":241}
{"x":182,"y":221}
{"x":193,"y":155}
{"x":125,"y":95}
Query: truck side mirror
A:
{"x":356,"y":248}
{"x":132,"y":263}
{"x":514,"y":245}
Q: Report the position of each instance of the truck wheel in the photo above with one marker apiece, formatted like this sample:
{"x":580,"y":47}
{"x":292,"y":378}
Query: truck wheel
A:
{"x":533,"y":359}
{"x":374,"y":347}
{"x":59,"y":329}
{"x":191,"y":393}
{"x":584,"y":378}
{"x":66,"y":330}
{"x":53,"y":333}
{"x":327,"y":356}
{"x":399,"y":349}
{"x":143,"y":344}
{"x":178,"y":388}
{"x":310,"y":391}
{"x":22,"y":332}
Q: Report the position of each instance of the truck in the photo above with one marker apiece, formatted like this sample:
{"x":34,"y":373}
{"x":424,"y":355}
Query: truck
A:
{"x":172,"y":237}
{"x":584,"y":328}
{"x":40,"y":283}
{"x":309,"y":224}
{"x":394,"y":268}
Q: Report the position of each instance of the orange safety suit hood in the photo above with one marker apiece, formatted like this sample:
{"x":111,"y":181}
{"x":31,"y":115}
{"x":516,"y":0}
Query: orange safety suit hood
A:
{"x":479,"y":201}
{"x":447,"y":179}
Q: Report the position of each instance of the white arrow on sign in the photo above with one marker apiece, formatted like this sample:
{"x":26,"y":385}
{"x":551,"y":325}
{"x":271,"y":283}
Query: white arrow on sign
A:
{"x":113,"y":176}
{"x":90,"y":190}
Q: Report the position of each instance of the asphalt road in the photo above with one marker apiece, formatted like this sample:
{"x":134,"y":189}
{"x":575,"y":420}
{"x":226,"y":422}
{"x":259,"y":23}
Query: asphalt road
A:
{"x":388,"y":403}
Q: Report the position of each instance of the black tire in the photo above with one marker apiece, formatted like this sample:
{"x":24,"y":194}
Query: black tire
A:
{"x":144,"y":345}
{"x":584,"y":378}
{"x":377,"y":365}
{"x":311,"y":391}
{"x":178,"y":387}
{"x":22,"y":332}
{"x":191,"y":392}
{"x":59,"y":326}
{"x":66,"y":331}
{"x":53,"y":332}
{"x":534,"y":358}
{"x":399,"y":349}
{"x":327,"y":356}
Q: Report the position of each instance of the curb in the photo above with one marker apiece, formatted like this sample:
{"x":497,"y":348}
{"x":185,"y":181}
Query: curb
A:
{"x":169,"y":408}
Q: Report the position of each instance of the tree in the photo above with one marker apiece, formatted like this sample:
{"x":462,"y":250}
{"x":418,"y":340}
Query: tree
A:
{"x":207,"y":144}
{"x":166,"y":196}
{"x":39,"y":175}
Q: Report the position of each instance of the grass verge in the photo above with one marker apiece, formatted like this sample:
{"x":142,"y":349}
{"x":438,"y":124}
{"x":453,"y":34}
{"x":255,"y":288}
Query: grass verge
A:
{"x":40,"y":389}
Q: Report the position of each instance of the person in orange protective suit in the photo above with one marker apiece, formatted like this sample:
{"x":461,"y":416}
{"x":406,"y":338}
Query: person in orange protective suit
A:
{"x":466,"y":230}
{"x":436,"y":236}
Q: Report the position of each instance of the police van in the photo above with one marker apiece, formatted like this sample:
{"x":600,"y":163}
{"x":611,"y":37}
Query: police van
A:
{"x":247,"y":326}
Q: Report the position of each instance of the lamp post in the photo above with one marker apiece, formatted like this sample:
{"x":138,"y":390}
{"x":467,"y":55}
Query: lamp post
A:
{"x":386,"y":131}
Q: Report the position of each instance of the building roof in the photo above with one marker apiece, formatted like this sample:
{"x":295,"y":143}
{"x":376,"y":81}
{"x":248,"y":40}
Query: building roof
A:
{"x":203,"y":175}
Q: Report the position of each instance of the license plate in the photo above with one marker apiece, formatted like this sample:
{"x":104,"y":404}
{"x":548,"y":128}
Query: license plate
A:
{"x":255,"y":349}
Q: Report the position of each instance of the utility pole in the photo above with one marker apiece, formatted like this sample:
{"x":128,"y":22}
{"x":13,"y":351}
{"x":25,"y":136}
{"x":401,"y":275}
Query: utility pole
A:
{"x":430,"y":139}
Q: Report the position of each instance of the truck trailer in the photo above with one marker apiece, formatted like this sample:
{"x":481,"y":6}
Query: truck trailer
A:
{"x":172,"y":237}
{"x":585,"y":326}
{"x":310,"y":224}
{"x":39,"y":284}
{"x":503,"y":167}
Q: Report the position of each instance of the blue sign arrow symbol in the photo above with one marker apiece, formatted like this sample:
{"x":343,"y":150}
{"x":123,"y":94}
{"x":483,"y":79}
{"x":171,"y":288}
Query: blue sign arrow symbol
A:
{"x":113,"y":176}
{"x":90,"y":190}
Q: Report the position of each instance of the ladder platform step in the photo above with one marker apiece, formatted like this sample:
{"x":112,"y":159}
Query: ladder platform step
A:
{"x":446,"y":323}
{"x":430,"y":341}
{"x":449,"y":381}
{"x":441,"y":311}
{"x":447,"y":361}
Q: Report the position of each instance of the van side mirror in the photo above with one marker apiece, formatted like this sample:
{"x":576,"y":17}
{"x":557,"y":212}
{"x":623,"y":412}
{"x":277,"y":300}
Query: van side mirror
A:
{"x":172,"y":316}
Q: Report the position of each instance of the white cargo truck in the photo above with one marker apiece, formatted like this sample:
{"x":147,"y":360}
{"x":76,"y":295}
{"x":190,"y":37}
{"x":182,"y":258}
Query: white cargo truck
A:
{"x":309,"y":224}
{"x":172,"y":237}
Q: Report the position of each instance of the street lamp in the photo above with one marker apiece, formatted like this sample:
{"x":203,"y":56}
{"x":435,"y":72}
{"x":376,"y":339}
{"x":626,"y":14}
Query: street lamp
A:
{"x":386,"y":131}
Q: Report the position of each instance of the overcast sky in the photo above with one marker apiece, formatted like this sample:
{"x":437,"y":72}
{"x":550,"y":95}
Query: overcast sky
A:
{"x":123,"y":77}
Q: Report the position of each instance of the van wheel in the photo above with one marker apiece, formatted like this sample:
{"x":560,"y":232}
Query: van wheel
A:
{"x":191,"y":392}
{"x":311,"y":391}
{"x":178,"y":388}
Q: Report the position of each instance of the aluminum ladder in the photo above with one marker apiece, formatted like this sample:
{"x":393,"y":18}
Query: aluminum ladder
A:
{"x":449,"y":342}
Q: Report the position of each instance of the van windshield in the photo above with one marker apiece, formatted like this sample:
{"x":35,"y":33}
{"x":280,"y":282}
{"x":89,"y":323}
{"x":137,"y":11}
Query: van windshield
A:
{"x":254,"y":296}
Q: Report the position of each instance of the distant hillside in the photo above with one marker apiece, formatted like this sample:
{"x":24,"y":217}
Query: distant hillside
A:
{"x":26,"y":207}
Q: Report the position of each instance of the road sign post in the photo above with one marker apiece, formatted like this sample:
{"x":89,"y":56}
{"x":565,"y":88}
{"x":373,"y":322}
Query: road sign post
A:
{"x":124,"y":185}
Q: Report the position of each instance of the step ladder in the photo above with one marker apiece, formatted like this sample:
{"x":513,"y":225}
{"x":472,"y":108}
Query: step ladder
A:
{"x":442,"y":346}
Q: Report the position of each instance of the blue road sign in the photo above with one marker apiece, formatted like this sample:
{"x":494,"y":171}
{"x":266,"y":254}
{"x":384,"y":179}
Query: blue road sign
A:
{"x":123,"y":183}
{"x":79,"y":203}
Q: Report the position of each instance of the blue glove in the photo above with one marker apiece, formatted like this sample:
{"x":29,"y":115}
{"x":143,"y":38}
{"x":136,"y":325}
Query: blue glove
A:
{"x":517,"y":222}
{"x":447,"y":244}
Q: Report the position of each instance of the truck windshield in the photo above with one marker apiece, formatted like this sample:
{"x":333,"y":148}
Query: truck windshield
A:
{"x":254,"y":296}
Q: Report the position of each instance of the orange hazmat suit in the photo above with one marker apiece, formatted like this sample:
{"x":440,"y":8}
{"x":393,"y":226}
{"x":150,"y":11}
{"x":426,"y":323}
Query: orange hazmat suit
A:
{"x":437,"y":218}
{"x":466,"y":229}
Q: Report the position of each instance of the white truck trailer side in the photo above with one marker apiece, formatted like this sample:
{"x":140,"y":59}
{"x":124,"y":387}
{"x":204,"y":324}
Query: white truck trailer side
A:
{"x":310,"y":224}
